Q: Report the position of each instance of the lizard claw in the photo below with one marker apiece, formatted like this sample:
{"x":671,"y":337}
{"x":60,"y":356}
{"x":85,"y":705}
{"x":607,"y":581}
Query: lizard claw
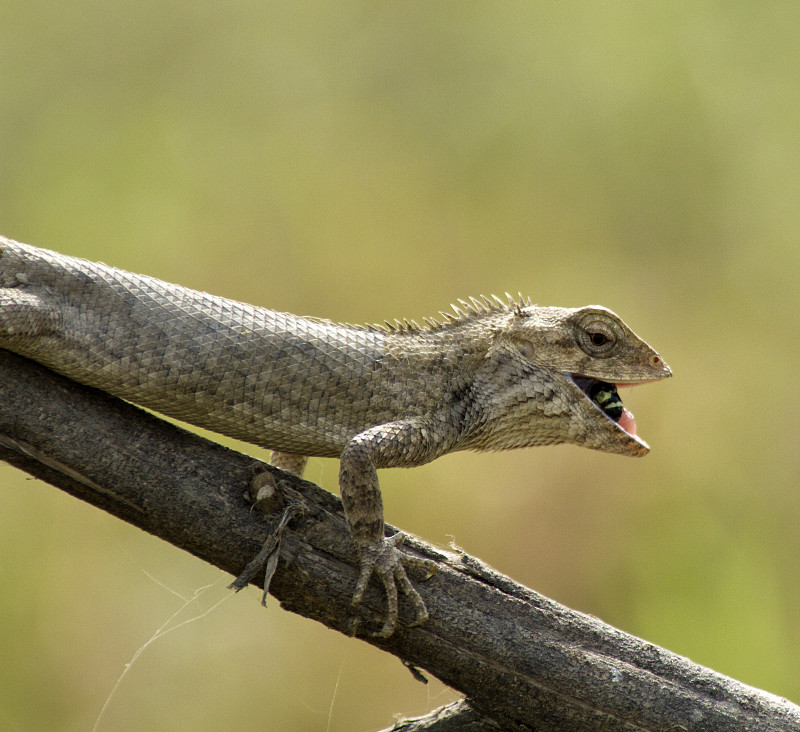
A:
{"x":388,"y":562}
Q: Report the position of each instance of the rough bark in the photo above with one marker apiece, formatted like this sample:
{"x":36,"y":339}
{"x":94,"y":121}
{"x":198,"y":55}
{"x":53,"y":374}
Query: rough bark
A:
{"x":522,"y":660}
{"x":459,"y":716}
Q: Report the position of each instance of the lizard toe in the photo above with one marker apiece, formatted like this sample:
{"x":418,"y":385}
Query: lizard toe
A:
{"x":385,"y":560}
{"x":409,"y":560}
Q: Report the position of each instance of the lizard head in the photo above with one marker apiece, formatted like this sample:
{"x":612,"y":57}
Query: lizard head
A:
{"x":551,"y":376}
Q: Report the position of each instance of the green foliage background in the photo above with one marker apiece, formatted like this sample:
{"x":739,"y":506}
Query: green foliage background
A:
{"x":367,"y":160}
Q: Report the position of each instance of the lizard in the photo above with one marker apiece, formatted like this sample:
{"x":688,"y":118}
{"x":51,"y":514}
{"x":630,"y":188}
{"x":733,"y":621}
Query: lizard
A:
{"x":491,"y":374}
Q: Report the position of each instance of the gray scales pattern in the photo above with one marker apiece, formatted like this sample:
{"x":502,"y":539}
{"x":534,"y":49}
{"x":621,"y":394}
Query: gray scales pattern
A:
{"x":491,"y":375}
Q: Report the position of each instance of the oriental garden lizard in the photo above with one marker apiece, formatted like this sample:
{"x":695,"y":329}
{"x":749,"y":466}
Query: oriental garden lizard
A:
{"x":489,"y":375}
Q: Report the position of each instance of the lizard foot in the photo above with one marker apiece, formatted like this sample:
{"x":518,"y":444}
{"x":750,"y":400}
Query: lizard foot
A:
{"x":388,"y":562}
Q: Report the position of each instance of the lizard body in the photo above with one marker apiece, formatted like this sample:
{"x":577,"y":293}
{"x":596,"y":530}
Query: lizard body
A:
{"x":490,"y":376}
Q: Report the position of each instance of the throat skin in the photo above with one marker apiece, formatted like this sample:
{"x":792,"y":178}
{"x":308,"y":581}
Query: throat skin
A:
{"x":490,"y":374}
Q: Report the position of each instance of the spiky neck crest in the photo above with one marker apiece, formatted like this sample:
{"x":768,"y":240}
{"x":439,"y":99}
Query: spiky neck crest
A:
{"x":462,"y":313}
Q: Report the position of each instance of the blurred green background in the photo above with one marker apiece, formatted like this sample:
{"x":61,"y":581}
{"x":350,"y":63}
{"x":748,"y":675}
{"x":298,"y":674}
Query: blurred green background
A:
{"x":360,"y":161}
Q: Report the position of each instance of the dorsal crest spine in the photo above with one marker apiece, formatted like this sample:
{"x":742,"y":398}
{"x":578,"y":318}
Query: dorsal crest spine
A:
{"x":461,"y":311}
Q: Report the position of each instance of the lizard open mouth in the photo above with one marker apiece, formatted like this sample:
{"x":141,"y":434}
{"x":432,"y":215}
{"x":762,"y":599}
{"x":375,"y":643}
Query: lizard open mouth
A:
{"x":606,"y":398}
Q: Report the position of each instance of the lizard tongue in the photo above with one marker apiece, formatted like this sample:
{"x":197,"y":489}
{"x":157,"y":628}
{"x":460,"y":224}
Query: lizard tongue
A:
{"x":627,"y":422}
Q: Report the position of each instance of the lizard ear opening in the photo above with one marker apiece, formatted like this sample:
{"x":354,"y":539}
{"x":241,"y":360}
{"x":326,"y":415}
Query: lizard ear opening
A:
{"x":526,"y":348}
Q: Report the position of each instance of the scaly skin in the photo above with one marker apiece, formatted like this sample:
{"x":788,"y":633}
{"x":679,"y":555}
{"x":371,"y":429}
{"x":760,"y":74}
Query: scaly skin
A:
{"x":490,"y":376}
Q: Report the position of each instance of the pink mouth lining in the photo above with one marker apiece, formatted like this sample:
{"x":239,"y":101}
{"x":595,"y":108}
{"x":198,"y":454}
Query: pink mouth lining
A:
{"x":627,"y":422}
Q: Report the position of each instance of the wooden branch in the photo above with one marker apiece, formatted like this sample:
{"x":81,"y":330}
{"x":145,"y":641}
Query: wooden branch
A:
{"x":459,"y":716}
{"x":519,"y":658}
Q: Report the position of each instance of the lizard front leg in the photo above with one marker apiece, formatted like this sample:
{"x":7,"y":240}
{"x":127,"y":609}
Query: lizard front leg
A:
{"x":395,"y":444}
{"x":291,"y":463}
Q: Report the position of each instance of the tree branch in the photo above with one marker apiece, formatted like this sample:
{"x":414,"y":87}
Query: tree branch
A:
{"x":521,"y":660}
{"x":459,"y":716}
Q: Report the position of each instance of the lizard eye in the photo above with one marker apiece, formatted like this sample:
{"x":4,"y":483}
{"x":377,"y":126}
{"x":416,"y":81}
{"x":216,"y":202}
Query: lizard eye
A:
{"x":598,"y":336}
